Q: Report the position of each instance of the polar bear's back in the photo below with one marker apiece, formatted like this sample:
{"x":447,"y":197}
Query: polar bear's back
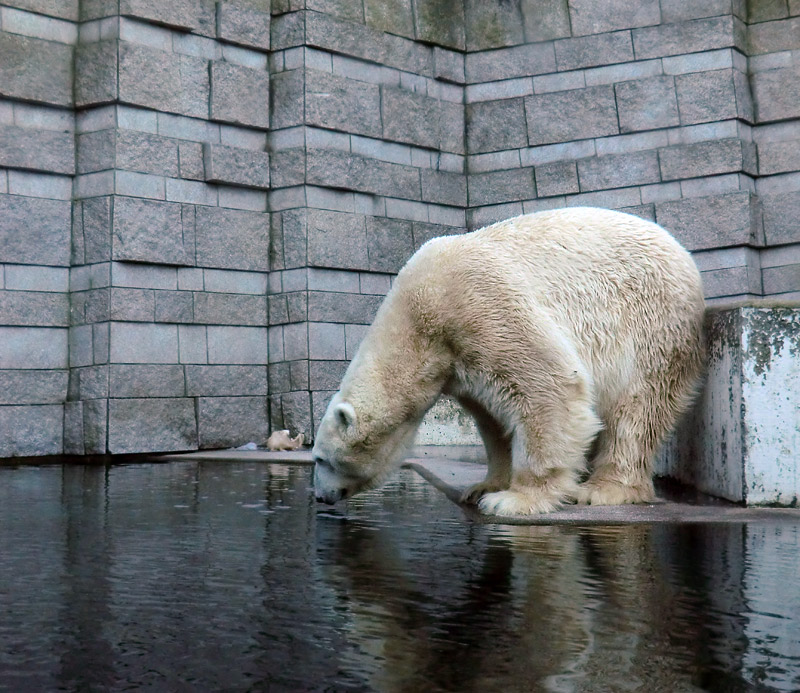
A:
{"x":610,"y":282}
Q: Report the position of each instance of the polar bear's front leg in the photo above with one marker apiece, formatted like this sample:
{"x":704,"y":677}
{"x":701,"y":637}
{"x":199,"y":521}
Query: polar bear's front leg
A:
{"x":547,"y":459}
{"x":498,"y":452}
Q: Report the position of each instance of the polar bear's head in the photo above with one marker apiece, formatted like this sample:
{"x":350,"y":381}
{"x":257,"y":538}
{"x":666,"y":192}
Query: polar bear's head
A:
{"x":354,"y":451}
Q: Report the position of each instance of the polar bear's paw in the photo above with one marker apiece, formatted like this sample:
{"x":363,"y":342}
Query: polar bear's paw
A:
{"x":607,"y":492}
{"x":474,"y":493}
{"x":530,"y":501}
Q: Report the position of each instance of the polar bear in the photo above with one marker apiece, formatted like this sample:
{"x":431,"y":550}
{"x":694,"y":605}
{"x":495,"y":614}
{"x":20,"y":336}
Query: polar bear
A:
{"x":560,"y":332}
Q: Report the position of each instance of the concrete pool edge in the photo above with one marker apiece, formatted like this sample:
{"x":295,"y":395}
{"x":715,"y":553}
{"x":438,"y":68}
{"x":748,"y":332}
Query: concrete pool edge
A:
{"x":447,"y":471}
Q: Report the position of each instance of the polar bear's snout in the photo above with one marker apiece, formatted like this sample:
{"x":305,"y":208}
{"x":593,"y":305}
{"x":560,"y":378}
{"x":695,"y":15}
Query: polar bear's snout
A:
{"x":327,"y":487}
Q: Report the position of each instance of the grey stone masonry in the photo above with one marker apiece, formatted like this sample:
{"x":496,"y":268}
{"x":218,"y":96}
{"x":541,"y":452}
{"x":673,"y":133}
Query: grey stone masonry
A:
{"x":203,"y":203}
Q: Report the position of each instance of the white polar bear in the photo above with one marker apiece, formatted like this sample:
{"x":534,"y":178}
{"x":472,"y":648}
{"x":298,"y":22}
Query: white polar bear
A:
{"x":555,"y":330}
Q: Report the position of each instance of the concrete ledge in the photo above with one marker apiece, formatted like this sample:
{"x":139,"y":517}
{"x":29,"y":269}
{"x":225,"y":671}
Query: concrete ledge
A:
{"x":439,"y":467}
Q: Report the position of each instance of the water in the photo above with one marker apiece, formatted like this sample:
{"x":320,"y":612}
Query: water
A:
{"x":200,"y":576}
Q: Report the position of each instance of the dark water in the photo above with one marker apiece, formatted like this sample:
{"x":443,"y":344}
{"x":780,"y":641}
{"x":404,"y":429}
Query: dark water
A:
{"x":204,"y":576}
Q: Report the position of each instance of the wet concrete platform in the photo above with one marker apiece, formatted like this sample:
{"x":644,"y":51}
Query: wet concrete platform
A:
{"x":453,"y":469}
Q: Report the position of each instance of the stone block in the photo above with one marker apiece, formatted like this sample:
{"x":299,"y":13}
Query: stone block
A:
{"x":96,"y":227}
{"x":294,"y":409}
{"x":33,"y":386}
{"x":333,"y":280}
{"x":35,"y":70}
{"x":96,"y":151}
{"x":33,"y":348}
{"x":706,"y":159}
{"x":81,"y":350}
{"x":190,"y":15}
{"x":34,"y":308}
{"x":776,"y":94}
{"x":140,"y":276}
{"x":618,"y":170}
{"x":42,"y":150}
{"x":780,"y":280}
{"x":295,"y":343}
{"x":237,"y":345}
{"x":151,"y":231}
{"x":391,"y":16}
{"x":448,"y":66}
{"x":556,"y":178}
{"x":220,"y":381}
{"x":571,"y":115}
{"x":95,"y":426}
{"x":192,"y":344}
{"x":411,"y":117}
{"x":593,"y":51}
{"x":333,"y":168}
{"x":287,"y":106}
{"x":591,"y":17}
{"x":706,"y":96}
{"x":146,"y":153}
{"x":501,"y":186}
{"x":246,"y":26}
{"x":143,"y":343}
{"x":96,"y":73}
{"x":778,"y":157}
{"x":145,"y":380}
{"x":339,"y":103}
{"x":519,"y":61}
{"x":279,"y":377}
{"x":287,"y":168}
{"x":326,"y":375}
{"x":235,"y":166}
{"x":731,"y":281}
{"x":686,"y":37}
{"x":96,"y":306}
{"x":328,"y":307}
{"x":232,"y":239}
{"x":544,"y":20}
{"x":63,"y":9}
{"x":174,"y":306}
{"x":190,"y":160}
{"x":441,"y":22}
{"x":239,"y":95}
{"x":781,"y":217}
{"x":92,"y":382}
{"x":35,"y":231}
{"x":151,"y":425}
{"x":443,"y":187}
{"x":712,"y":222}
{"x":230,"y":309}
{"x":496,"y":125}
{"x":772,"y":37}
{"x":492,"y":25}
{"x":73,"y":429}
{"x":326,"y":341}
{"x":452,"y":139}
{"x":646,"y":104}
{"x":337,"y":239}
{"x":31,"y":430}
{"x":232,"y":282}
{"x":163,"y":81}
{"x":32,"y":278}
{"x":225,"y":422}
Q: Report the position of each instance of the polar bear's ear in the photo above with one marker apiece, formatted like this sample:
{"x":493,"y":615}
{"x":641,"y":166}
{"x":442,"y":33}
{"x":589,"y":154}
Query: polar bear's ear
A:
{"x":345,"y":414}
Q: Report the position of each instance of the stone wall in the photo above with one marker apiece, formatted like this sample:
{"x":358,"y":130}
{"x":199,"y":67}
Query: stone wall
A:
{"x":203,"y":203}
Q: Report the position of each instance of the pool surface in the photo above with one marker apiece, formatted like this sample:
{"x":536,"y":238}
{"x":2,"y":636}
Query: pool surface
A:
{"x":209,"y":575}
